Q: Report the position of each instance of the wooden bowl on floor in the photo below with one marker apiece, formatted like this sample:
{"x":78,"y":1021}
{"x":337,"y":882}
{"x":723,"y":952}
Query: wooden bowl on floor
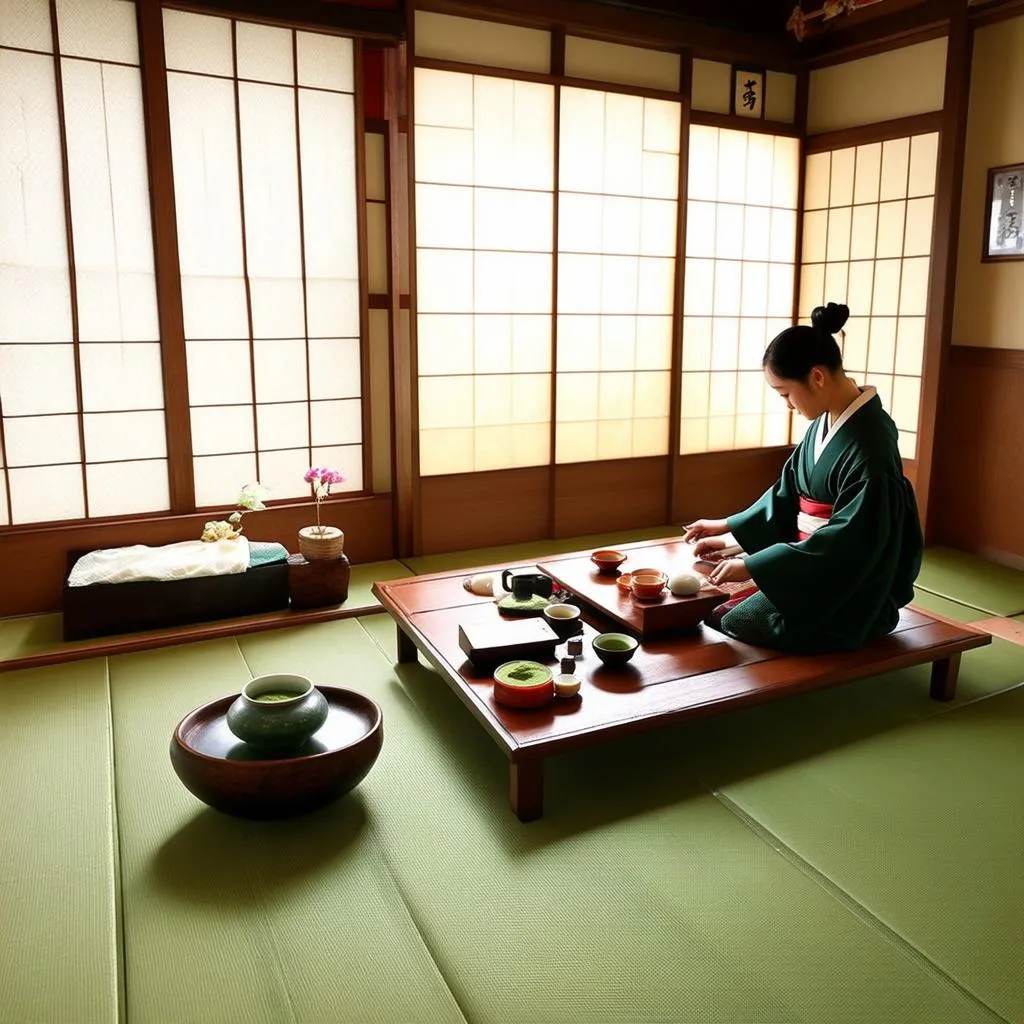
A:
{"x":222,"y":771}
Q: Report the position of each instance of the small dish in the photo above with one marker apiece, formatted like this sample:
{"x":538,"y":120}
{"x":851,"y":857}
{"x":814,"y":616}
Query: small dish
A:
{"x":607,"y":559}
{"x":615,"y":648}
{"x":648,"y":585}
{"x":623,"y":580}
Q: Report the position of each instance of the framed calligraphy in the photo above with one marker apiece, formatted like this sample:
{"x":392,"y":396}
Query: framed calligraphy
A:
{"x":747,"y":91}
{"x":1004,"y":214}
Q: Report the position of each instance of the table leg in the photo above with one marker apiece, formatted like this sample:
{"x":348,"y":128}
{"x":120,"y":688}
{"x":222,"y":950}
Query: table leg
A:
{"x":944,"y":675}
{"x":526,"y":788}
{"x":407,"y":652}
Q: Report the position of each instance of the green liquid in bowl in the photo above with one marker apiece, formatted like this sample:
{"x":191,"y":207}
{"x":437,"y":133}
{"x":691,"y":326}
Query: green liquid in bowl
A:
{"x":273,"y":698}
{"x":614,"y":645}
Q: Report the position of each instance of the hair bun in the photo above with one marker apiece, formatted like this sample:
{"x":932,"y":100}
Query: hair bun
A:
{"x":831,"y":317}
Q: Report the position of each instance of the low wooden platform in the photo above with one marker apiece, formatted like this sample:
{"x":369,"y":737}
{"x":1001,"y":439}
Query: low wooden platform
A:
{"x":672,"y":677}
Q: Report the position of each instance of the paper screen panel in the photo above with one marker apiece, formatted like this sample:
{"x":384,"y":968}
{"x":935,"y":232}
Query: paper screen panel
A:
{"x":198,"y":43}
{"x":125,"y":488}
{"x":269,"y":245}
{"x":616,"y":276}
{"x":98,"y":29}
{"x":885,"y":284}
{"x":26,"y":26}
{"x":484,"y":216}
{"x":741,"y":239}
{"x":43,"y":494}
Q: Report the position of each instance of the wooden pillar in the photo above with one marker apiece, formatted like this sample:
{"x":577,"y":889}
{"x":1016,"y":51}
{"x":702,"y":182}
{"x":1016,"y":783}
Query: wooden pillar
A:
{"x":945,"y":243}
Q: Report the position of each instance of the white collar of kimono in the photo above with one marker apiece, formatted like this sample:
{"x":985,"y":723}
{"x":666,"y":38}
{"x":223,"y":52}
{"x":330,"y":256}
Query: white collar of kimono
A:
{"x":822,"y":439}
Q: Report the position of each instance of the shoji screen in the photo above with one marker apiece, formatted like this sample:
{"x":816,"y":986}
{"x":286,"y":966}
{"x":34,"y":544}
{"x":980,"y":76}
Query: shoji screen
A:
{"x":81,"y":393}
{"x":484,"y":179}
{"x":740,"y":256}
{"x":263,"y":141}
{"x":618,"y":191}
{"x":867,"y":242}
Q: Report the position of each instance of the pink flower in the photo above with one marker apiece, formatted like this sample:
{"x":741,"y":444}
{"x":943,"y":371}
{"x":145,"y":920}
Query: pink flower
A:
{"x":320,"y":479}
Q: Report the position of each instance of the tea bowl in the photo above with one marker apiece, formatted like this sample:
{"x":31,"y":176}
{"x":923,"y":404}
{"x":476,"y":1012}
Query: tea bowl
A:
{"x":607,"y":559}
{"x":615,"y":648}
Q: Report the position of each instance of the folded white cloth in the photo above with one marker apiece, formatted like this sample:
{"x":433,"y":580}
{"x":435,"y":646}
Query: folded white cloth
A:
{"x":168,"y":562}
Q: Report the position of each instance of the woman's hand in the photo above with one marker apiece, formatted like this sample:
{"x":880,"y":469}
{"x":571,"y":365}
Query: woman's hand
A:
{"x":732,"y":570}
{"x":710,"y":549}
{"x":705,"y":528}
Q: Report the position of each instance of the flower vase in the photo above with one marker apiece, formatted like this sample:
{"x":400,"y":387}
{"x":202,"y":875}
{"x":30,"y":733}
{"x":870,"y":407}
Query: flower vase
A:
{"x":321,"y":543}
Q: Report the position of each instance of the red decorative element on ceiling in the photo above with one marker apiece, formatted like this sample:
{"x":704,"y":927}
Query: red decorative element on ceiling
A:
{"x":799,"y":19}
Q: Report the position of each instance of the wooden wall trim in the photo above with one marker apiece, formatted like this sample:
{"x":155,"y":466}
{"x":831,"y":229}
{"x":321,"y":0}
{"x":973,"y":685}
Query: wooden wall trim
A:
{"x":634,"y":28}
{"x":617,"y":494}
{"x":744,"y":124}
{"x":717,"y":484}
{"x":915,"y":22}
{"x":467,"y":68}
{"x":978,"y":476}
{"x":1011,"y":359}
{"x":945,"y":247}
{"x":486,"y":509}
{"x":860,"y":135}
{"x":870,"y":49}
{"x":992,"y":13}
{"x":344,"y":19}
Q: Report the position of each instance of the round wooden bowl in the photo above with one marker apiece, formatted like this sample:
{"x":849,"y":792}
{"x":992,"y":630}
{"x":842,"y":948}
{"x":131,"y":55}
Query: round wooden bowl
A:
{"x":230,"y":775}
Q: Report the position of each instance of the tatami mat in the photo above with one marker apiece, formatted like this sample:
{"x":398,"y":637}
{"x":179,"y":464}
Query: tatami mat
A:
{"x":514,"y":554}
{"x":638,"y":897}
{"x":922,"y":826}
{"x":929,"y":602}
{"x":58,"y":865}
{"x":227,"y":920}
{"x":973,"y":581}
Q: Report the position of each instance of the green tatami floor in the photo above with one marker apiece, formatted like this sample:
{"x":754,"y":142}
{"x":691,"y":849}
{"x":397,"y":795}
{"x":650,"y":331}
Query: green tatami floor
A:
{"x":846,"y":856}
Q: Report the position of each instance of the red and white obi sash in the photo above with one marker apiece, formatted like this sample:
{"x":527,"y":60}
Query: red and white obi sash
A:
{"x":813,"y":515}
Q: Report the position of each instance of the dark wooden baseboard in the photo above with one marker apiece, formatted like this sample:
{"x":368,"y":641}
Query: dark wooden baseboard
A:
{"x":979,"y":460}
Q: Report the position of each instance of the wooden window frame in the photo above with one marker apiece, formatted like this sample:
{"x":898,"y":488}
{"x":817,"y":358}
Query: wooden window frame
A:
{"x":156,"y":127}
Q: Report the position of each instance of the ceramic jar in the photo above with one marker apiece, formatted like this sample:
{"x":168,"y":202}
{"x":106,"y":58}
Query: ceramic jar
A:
{"x":321,"y":544}
{"x":277,"y":712}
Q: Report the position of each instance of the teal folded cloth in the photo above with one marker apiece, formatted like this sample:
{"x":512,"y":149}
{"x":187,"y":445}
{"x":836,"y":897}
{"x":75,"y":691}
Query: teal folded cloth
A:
{"x":262,"y":552}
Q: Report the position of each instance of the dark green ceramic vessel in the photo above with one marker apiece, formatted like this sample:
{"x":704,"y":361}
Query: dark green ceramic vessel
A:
{"x":277,"y":712}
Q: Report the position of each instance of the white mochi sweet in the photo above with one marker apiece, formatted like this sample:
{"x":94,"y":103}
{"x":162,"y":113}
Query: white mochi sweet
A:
{"x":686,"y":584}
{"x":482,"y":585}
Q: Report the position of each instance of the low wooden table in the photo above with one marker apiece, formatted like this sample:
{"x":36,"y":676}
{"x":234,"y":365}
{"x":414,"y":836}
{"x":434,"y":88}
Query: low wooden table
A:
{"x":672,"y":678}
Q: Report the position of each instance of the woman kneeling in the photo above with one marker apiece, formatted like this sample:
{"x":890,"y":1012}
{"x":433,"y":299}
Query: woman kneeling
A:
{"x":833,"y":548}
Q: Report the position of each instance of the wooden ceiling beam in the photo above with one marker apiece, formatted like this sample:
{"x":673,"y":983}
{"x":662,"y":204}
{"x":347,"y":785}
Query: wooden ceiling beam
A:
{"x":912,"y":23}
{"x":364,"y":22}
{"x":621,"y":25}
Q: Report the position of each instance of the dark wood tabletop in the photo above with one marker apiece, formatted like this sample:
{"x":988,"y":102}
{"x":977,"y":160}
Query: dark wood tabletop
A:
{"x":675,"y":675}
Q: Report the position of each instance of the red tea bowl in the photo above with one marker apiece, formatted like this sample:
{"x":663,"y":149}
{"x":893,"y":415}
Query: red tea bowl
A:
{"x":607,"y":559}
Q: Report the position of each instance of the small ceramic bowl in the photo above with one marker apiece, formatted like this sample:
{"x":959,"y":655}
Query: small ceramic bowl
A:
{"x":607,"y":560}
{"x":624,"y":581}
{"x":615,"y":648}
{"x":523,"y":684}
{"x":564,"y":619}
{"x":647,"y":585}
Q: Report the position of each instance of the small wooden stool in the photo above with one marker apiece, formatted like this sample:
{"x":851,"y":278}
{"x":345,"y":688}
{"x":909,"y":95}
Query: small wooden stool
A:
{"x":319,"y":583}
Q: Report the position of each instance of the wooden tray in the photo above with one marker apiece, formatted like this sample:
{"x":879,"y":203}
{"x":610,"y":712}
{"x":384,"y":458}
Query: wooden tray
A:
{"x":644,"y":618}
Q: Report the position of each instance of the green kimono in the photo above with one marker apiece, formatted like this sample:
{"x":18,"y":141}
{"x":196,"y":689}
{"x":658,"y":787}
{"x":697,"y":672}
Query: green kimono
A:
{"x":845,"y":583}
